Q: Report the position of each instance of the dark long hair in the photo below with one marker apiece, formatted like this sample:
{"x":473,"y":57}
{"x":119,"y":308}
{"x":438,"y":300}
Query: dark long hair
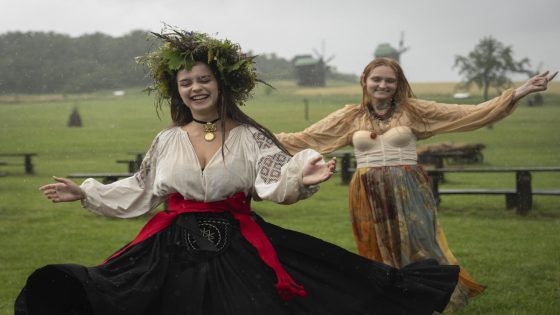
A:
{"x":182,"y":115}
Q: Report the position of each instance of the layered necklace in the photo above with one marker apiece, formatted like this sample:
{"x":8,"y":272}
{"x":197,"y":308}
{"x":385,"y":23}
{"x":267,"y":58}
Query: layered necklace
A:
{"x":382,"y":120}
{"x":209,"y":128}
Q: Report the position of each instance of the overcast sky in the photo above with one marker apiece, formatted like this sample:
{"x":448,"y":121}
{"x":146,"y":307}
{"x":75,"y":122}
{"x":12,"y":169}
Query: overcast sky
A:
{"x":434,"y":30}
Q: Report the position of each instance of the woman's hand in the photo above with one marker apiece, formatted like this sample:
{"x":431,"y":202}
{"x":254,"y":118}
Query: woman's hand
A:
{"x":63,"y":190}
{"x":315,"y":172}
{"x":535,"y":84}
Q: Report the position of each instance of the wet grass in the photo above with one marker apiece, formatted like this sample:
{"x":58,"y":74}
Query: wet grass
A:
{"x":517,"y":257}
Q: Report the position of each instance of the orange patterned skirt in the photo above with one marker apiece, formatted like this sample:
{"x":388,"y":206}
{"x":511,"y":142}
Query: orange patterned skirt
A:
{"x":393,"y":214}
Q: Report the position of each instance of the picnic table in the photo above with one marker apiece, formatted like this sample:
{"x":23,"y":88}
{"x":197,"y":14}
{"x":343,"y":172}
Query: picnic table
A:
{"x":519,"y":197}
{"x":452,"y":153}
{"x":133,"y":164}
{"x":108,"y":177}
{"x":27,"y":160}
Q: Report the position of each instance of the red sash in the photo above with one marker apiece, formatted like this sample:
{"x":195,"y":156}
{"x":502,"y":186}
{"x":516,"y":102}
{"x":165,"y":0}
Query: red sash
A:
{"x":240,"y":209}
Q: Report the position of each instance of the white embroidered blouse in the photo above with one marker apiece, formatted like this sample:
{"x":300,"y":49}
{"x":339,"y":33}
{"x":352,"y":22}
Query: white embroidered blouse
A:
{"x":253,"y":164}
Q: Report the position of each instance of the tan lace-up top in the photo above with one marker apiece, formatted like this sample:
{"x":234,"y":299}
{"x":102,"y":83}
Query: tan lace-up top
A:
{"x":395,"y":140}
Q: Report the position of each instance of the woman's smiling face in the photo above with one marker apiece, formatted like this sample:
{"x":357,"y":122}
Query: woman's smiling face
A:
{"x":198,"y":89}
{"x":381,"y":84}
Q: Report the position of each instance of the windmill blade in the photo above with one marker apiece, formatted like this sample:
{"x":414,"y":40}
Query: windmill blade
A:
{"x":402,"y":50}
{"x":329,"y":59}
{"x":317,"y":53}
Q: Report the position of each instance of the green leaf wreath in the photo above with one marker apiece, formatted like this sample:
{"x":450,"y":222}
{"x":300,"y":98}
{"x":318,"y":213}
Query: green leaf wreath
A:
{"x":182,"y":49}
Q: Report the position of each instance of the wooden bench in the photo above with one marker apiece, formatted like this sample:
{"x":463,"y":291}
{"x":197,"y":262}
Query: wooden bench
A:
{"x":27,"y":161}
{"x":106,"y":178}
{"x":519,"y":197}
{"x":133,"y":165}
{"x":452,"y":153}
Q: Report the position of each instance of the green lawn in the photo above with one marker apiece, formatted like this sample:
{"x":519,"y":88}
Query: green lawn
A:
{"x":517,"y":257}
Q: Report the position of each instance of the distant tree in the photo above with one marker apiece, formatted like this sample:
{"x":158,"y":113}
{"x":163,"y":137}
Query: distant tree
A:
{"x":272,"y":67}
{"x":488,"y":65}
{"x":39,"y":62}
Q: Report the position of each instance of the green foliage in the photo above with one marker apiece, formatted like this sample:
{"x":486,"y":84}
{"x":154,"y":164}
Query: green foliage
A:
{"x":180,"y":49}
{"x":35,"y":62}
{"x":41,"y":62}
{"x":488,"y":64}
{"x":271,"y":67}
{"x":517,"y":257}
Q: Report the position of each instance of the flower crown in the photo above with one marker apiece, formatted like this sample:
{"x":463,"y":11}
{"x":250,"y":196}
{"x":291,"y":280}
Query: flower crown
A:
{"x":182,"y":49}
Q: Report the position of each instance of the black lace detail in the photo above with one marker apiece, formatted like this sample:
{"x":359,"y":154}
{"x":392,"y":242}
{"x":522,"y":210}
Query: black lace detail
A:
{"x":270,"y":167}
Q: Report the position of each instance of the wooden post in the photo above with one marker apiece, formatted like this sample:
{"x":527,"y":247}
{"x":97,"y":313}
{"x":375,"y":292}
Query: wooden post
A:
{"x":28,"y":164}
{"x":434,"y":177}
{"x":438,"y":163}
{"x":511,"y":201}
{"x":137,"y":162}
{"x":345,"y":173}
{"x":305,"y":109}
{"x":524,"y":192}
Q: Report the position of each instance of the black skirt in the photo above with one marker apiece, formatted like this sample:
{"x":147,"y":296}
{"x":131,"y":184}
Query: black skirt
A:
{"x":212,"y":269}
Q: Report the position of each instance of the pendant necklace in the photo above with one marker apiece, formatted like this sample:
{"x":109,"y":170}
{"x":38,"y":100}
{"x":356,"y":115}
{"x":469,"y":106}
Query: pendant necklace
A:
{"x":382,"y":120}
{"x":209,"y":128}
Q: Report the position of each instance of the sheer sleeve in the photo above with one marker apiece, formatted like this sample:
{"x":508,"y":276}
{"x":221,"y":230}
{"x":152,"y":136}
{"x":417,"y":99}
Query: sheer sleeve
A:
{"x":128,"y":197}
{"x":442,"y":118}
{"x":279,"y":175}
{"x":330,"y":133}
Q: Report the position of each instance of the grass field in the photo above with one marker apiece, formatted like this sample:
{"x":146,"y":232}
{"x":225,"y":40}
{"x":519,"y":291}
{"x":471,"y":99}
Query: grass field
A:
{"x":517,"y":257}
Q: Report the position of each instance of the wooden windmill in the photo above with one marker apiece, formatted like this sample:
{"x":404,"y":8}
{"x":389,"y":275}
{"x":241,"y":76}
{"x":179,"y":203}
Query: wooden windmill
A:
{"x":388,"y":51}
{"x":312,"y":71}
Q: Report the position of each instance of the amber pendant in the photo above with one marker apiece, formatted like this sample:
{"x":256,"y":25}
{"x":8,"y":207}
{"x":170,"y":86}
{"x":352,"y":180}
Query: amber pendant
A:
{"x":209,"y":131}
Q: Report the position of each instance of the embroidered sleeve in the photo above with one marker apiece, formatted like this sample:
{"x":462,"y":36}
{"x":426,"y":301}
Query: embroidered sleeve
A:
{"x":279,"y":175}
{"x":128,"y":197}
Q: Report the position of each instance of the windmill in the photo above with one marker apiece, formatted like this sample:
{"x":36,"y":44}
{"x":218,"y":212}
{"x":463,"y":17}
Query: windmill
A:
{"x":312,"y":71}
{"x":388,"y":51}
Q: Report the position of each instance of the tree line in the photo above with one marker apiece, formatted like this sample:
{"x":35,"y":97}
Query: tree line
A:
{"x":48,"y":62}
{"x":38,"y":62}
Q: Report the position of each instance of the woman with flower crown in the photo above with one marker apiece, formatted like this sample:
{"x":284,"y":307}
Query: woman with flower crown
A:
{"x":392,"y":208}
{"x":208,"y":253}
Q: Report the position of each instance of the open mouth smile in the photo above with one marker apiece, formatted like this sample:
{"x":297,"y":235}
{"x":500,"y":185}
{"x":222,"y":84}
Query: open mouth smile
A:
{"x":199,"y":97}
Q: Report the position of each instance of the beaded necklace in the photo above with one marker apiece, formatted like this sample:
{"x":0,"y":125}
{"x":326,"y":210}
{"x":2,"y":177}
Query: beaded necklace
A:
{"x":382,"y":120}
